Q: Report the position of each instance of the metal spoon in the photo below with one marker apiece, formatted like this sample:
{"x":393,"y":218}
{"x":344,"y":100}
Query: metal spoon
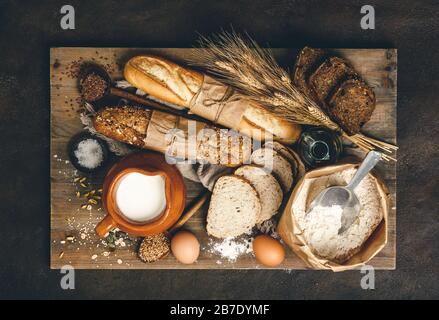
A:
{"x":345,"y":196}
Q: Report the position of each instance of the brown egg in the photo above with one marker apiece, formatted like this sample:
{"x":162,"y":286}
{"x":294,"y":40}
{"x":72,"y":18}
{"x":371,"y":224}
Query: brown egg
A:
{"x":185,"y":247}
{"x":268,"y":251}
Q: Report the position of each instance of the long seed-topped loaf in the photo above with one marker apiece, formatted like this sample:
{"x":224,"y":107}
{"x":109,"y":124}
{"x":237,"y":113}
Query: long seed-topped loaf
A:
{"x":173,"y":135}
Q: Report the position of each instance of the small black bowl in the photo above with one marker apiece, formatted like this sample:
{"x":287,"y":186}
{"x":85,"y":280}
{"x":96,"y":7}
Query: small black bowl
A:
{"x":73,"y":145}
{"x":89,"y":68}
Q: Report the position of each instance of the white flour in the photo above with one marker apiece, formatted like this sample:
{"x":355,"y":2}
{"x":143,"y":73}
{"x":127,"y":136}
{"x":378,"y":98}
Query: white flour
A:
{"x":230,"y":248}
{"x":320,"y":226}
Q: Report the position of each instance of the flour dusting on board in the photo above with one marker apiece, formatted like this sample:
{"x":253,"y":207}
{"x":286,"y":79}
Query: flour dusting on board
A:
{"x":230,"y":249}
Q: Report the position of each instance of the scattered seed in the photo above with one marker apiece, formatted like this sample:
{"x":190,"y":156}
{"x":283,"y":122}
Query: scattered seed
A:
{"x":83,"y":179}
{"x":78,"y":194}
{"x":70,"y":238}
{"x":89,"y":207}
{"x":92,"y":201}
{"x":61,"y":254}
{"x":84,"y":206}
{"x":83,"y":185}
{"x":76,"y":179}
{"x":93,"y":257}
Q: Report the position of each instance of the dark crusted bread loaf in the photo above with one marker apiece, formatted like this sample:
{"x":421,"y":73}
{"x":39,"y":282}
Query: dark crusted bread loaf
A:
{"x":306,"y":63}
{"x":328,"y":76}
{"x":322,"y":79}
{"x":352,"y":95}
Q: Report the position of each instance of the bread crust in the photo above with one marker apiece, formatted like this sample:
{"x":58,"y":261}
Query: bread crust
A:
{"x":273,"y":127}
{"x":169,"y":82}
{"x":238,"y":226}
{"x":154,"y":86}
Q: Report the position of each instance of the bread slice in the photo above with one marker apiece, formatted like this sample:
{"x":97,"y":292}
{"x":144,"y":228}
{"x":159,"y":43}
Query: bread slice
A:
{"x":269,"y":190}
{"x":234,"y":207}
{"x":306,"y":63}
{"x":272,"y":161}
{"x":286,"y":153}
{"x":328,"y":76}
{"x":352,"y":105}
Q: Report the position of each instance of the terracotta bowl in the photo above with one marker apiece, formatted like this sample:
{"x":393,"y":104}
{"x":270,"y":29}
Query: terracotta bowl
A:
{"x":148,"y":163}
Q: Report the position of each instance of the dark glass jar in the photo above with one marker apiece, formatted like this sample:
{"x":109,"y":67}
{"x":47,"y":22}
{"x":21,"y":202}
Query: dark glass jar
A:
{"x":319,"y":146}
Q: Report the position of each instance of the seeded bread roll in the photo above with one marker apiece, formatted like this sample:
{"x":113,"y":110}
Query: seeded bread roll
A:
{"x":277,"y":165}
{"x":234,"y":207}
{"x":211,"y":144}
{"x":172,"y":83}
{"x":267,"y":187}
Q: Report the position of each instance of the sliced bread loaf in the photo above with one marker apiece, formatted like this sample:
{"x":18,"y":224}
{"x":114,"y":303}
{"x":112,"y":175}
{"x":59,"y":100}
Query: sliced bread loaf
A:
{"x":234,"y":207}
{"x":284,"y":152}
{"x":328,"y":76}
{"x":353,"y":97}
{"x":269,"y":190}
{"x":272,"y":161}
{"x":307,"y":61}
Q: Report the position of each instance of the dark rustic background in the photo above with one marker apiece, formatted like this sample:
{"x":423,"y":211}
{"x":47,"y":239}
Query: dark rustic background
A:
{"x":29,"y":28}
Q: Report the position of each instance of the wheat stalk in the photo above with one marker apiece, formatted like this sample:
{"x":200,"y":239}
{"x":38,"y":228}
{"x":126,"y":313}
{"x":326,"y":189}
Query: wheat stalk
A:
{"x":253,"y":71}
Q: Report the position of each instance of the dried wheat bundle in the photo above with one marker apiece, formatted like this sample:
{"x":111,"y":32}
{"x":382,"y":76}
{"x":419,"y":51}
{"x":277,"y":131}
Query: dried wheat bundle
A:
{"x":252,"y":70}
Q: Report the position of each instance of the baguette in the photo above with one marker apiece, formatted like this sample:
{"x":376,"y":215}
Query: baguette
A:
{"x":150,"y":129}
{"x":172,"y":83}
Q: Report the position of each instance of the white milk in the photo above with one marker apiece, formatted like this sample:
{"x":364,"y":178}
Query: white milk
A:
{"x":140,"y":197}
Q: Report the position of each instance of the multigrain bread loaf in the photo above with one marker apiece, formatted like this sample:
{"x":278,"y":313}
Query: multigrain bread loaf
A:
{"x":306,"y":63}
{"x":172,"y":83}
{"x":329,"y":75}
{"x":352,"y":95}
{"x":152,"y":129}
{"x":234,"y":207}
{"x":326,"y":80}
{"x":274,"y":163}
{"x":267,"y":187}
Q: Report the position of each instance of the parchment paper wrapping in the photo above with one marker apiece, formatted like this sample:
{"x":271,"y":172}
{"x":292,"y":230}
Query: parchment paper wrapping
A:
{"x":169,"y":134}
{"x":292,"y":235}
{"x":219,"y":103}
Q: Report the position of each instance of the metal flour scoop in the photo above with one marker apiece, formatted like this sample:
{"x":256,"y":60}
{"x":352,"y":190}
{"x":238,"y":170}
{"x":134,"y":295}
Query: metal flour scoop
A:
{"x":345,"y":196}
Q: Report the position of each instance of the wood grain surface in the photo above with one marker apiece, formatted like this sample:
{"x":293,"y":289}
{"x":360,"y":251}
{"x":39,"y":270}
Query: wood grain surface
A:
{"x":86,"y":251}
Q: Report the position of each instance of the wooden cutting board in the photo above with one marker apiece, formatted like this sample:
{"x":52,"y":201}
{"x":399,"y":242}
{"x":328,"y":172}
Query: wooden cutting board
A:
{"x":69,"y":221}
